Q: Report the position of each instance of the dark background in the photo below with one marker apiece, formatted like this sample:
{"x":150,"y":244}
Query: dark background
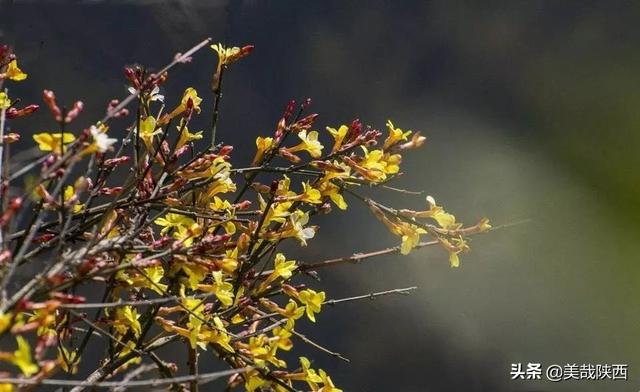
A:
{"x":530,"y":109}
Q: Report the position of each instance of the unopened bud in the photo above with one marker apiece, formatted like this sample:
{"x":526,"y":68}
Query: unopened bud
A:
{"x":15,"y":113}
{"x":74,"y":112}
{"x":50,"y":100}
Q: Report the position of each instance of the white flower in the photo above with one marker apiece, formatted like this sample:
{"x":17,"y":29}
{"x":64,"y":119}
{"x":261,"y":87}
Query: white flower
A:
{"x":298,"y":220}
{"x":101,"y":140}
{"x":154,"y":95}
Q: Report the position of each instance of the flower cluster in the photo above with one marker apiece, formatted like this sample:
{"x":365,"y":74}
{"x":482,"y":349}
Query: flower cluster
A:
{"x":183,"y":247}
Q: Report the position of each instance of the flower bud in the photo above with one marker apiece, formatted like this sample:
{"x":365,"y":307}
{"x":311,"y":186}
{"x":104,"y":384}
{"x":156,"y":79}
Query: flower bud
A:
{"x":15,"y":113}
{"x":50,"y":100}
{"x":74,"y":112}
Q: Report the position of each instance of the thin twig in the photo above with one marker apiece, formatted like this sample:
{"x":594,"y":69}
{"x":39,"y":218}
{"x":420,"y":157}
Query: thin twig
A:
{"x":202,"y":378}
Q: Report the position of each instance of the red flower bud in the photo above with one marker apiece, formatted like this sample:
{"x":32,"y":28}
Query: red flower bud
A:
{"x":291,"y":105}
{"x":110,"y":191}
{"x":113,"y":162}
{"x":5,"y":256}
{"x":43,"y":238}
{"x":50,"y":100}
{"x":15,"y":113}
{"x":74,"y":112}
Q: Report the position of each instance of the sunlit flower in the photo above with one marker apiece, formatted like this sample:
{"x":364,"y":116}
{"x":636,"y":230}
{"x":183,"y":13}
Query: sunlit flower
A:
{"x":173,"y":221}
{"x":126,"y":319}
{"x":263,"y":145}
{"x":101,"y":142}
{"x":313,"y":302}
{"x":148,"y":131}
{"x":70,"y":196}
{"x":5,"y":102}
{"x":310,"y":194}
{"x":222,"y":290}
{"x":21,"y":357}
{"x":327,"y":188}
{"x":297,"y":222}
{"x":14,"y":72}
{"x":396,"y":135}
{"x":190,"y":98}
{"x":186,"y":136}
{"x":283,"y":268}
{"x":328,"y":385}
{"x":292,"y":310}
{"x":66,"y":358}
{"x":309,"y":144}
{"x":437,"y":213}
{"x":154,"y":94}
{"x":227,"y":56}
{"x":338,"y":136}
{"x":54,"y":142}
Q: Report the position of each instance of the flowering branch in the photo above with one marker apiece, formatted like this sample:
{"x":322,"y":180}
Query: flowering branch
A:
{"x":184,"y":245}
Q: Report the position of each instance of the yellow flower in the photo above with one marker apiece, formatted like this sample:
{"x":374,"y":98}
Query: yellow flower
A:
{"x":194,"y":325}
{"x":129,"y":347}
{"x":126,"y":319}
{"x":328,"y":385}
{"x":338,"y":136}
{"x":66,"y":358}
{"x":5,"y":321}
{"x":258,"y":346}
{"x":437,"y":213}
{"x":155,"y":274}
{"x":309,"y":375}
{"x":454,"y":260}
{"x":372,"y":166}
{"x":310,"y":194}
{"x":312,"y":301}
{"x":69,"y":193}
{"x":283,"y":268}
{"x":5,"y":101}
{"x":196,"y":273}
{"x":396,"y":135}
{"x":327,"y":188}
{"x":297,"y":221}
{"x":148,"y":131}
{"x":454,"y":246}
{"x":392,"y":163}
{"x":309,"y":143}
{"x":227,"y":56}
{"x":254,"y":381}
{"x":282,"y":336}
{"x":186,"y":136}
{"x":410,"y":237}
{"x":218,"y":335}
{"x":263,"y":145}
{"x":291,"y":310}
{"x":7,"y":388}
{"x":14,"y":72}
{"x":173,"y":221}
{"x":263,"y":351}
{"x":189,"y":94}
{"x":54,"y":142}
{"x":409,"y":233}
{"x":21,"y":357}
{"x":220,"y":205}
{"x":100,"y":141}
{"x":222,"y":290}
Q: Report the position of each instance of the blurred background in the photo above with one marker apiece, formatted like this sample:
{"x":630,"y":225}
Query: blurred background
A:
{"x":531,"y":113}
